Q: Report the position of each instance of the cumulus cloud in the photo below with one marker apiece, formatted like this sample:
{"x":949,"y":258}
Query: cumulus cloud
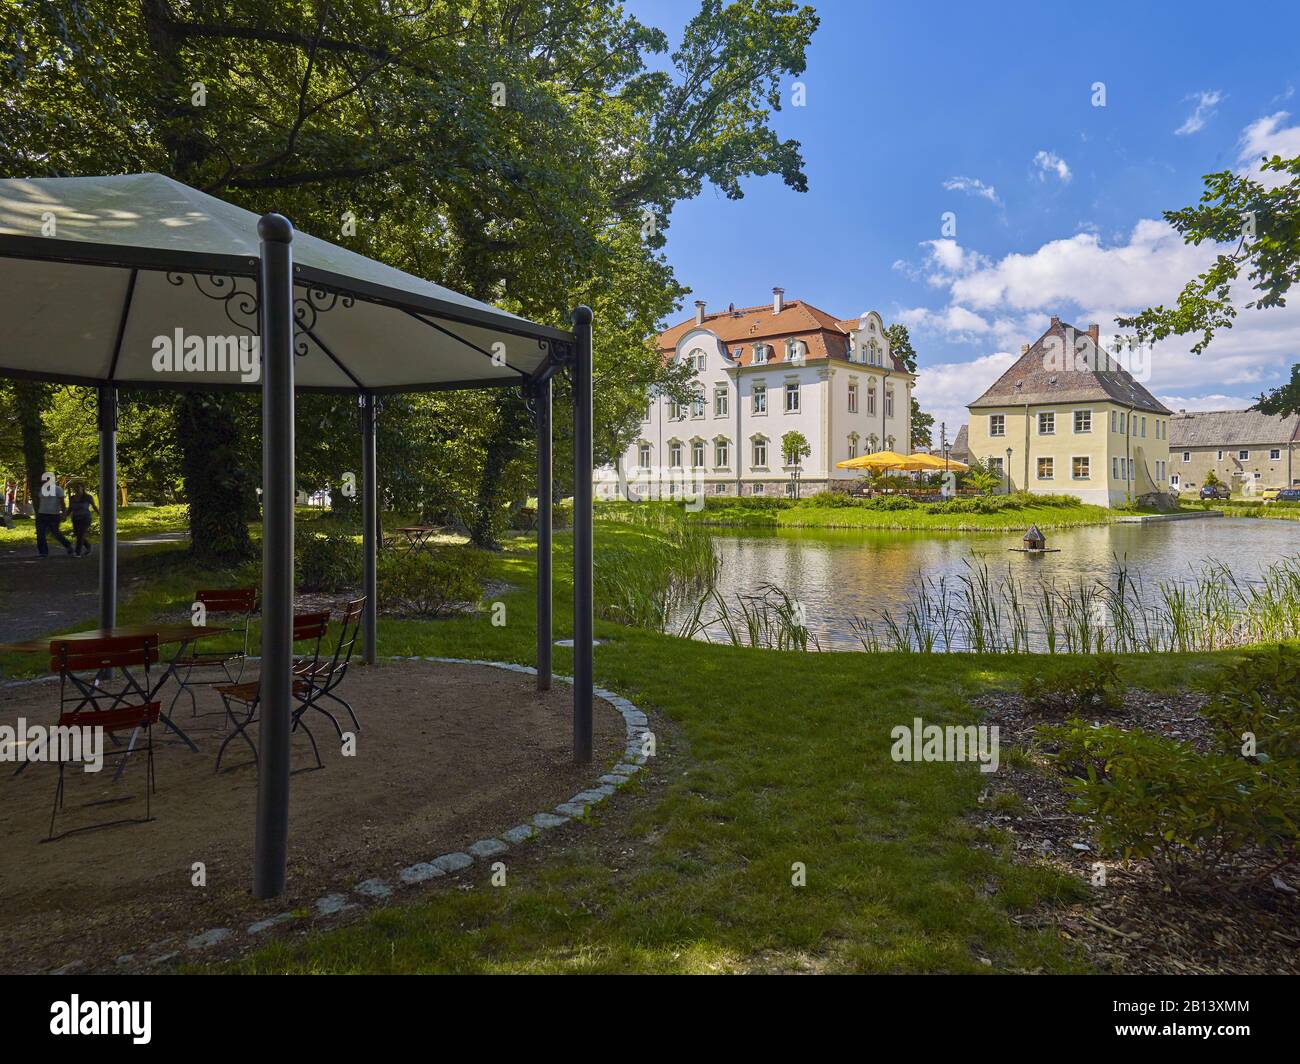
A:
{"x":972,"y":186}
{"x":1048,"y":162}
{"x":1206,"y":102}
{"x":944,"y":390}
{"x":1264,"y":138}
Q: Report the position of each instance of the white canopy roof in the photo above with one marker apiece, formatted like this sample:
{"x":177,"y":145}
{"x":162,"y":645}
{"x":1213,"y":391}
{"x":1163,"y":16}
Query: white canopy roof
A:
{"x":98,"y":274}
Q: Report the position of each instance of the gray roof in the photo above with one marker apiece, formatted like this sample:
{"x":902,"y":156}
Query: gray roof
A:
{"x":961,"y":445}
{"x":1230,"y":428}
{"x":1041,"y":376}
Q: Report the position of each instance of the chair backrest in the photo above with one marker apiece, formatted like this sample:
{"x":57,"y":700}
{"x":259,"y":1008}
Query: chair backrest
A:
{"x":347,"y":639}
{"x":111,"y":720}
{"x":229,"y":600}
{"x":71,"y":658}
{"x":310,"y":625}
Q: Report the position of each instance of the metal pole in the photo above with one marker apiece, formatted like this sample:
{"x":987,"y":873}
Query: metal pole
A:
{"x":107,"y":506}
{"x":275,"y":288}
{"x":545,"y":496}
{"x":369,"y":530}
{"x":583,"y":608}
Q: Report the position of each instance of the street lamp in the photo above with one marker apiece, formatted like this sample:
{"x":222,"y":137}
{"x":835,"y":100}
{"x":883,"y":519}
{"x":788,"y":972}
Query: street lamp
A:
{"x":1008,"y":470}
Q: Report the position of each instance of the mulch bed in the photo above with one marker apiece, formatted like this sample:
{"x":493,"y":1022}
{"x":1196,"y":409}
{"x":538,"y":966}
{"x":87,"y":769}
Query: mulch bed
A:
{"x":1248,"y":922}
{"x":447,"y":755}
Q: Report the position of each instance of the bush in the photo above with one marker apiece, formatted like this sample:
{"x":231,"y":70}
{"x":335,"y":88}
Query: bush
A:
{"x":1091,"y":685}
{"x":1157,"y":798}
{"x":329,"y":561}
{"x":428,"y":584}
{"x":1258,"y":697}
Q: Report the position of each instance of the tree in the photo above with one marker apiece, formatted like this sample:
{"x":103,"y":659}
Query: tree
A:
{"x":982,"y":476}
{"x":31,"y":400}
{"x":900,"y":345}
{"x":922,"y":426}
{"x":1263,"y":223}
{"x":794,"y":449}
{"x":521,"y":153}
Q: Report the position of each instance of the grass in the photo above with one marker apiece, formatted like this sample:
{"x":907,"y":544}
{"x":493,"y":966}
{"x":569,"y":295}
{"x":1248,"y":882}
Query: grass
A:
{"x":1015,"y":512}
{"x":1276,"y":511}
{"x":132,"y":523}
{"x":767,"y":759}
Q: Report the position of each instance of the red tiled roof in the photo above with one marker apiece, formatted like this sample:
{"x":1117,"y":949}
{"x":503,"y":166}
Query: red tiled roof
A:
{"x":824,"y":334}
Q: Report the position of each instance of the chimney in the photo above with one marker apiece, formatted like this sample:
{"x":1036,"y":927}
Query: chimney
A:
{"x":1094,"y":330}
{"x":1024,"y":349}
{"x":1055,"y":321}
{"x":699,"y":312}
{"x":778,"y":300}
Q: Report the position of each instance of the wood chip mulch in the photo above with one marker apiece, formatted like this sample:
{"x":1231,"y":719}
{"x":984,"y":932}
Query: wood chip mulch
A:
{"x":1247,"y":922}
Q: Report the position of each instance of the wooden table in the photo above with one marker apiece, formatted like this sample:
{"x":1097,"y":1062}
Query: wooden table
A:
{"x":419,"y":537}
{"x":182,"y":634}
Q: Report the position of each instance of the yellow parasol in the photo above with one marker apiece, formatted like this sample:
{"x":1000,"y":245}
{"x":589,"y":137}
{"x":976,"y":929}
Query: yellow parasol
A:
{"x":881,"y":460}
{"x":935,"y":461}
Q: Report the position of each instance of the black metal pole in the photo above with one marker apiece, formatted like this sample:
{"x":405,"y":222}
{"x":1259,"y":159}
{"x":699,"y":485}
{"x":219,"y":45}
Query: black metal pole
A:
{"x":275,"y":288}
{"x":107,"y":506}
{"x":545,"y":496}
{"x":583,"y":608}
{"x":369,"y":529}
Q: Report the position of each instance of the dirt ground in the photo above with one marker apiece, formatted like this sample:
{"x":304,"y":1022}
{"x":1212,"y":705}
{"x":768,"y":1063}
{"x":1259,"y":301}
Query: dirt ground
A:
{"x":447,"y":755}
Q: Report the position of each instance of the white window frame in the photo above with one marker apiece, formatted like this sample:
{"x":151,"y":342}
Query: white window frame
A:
{"x":1051,"y":466}
{"x":758,"y":399}
{"x":721,"y":454}
{"x":853,"y":397}
{"x":721,"y":400}
{"x":1046,"y":413}
{"x":997,"y":425}
{"x":644,"y":455}
{"x":791,"y":392}
{"x":757,"y":444}
{"x":675,"y":454}
{"x":1275,"y":454}
{"x":697,"y":450}
{"x":1087,"y":414}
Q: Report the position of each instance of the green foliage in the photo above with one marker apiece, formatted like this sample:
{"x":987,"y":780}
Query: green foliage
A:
{"x":328,"y":561}
{"x":900,"y":345}
{"x":1211,"y":479}
{"x":654,"y":566}
{"x":427,"y":585}
{"x":1258,"y":695}
{"x":1086,"y":686}
{"x":922,"y":426}
{"x":219,"y":484}
{"x":795,"y":447}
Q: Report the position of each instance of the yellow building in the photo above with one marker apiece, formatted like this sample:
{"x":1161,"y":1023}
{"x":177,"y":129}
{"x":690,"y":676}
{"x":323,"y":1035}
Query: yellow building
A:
{"x":1067,"y":419}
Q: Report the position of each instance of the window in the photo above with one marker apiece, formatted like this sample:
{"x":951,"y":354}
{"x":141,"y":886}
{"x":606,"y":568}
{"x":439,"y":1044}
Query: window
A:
{"x":720,"y":455}
{"x":643,"y":456}
{"x":760,"y":353}
{"x":760,"y":453}
{"x":1218,"y":456}
{"x":760,"y":399}
{"x":719,"y":489}
{"x":1083,"y":421}
{"x":1114,"y":468}
{"x":695,"y":360}
{"x":757,"y":489}
{"x":997,"y":424}
{"x":792,"y":398}
{"x":675,"y":454}
{"x":1046,"y":468}
{"x":676,"y":411}
{"x":853,"y":445}
{"x":1243,"y":456}
{"x":1130,"y":469}
{"x":871,"y":399}
{"x":1275,"y":454}
{"x":1123,"y":424}
{"x":720,"y":401}
{"x":1047,"y":424}
{"x":873,"y":443}
{"x":697,"y":403}
{"x":1081,"y":467}
{"x":697,"y":454}
{"x":1144,"y":428}
{"x":1174,"y":481}
{"x":649,"y":410}
{"x":1114,"y":422}
{"x":996,"y":465}
{"x":889,"y":402}
{"x":853,"y":397}
{"x":1187,"y":457}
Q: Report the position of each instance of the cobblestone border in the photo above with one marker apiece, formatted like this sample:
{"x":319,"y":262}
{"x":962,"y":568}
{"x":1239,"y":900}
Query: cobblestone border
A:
{"x":346,"y":899}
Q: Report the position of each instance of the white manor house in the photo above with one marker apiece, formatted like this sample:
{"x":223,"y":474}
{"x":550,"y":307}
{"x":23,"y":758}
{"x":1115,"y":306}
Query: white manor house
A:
{"x":761,"y":372}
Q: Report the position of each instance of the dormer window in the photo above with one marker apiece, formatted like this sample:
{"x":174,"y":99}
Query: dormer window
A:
{"x":760,"y":353}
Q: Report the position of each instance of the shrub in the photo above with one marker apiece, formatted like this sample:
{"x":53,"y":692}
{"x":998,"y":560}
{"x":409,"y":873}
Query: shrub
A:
{"x":327,"y":562}
{"x":1157,"y":798}
{"x":428,"y":584}
{"x":1090,"y":685}
{"x":1258,"y":696}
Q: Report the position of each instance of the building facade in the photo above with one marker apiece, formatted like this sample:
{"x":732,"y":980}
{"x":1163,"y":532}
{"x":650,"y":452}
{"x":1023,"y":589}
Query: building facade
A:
{"x":760,"y":373}
{"x":1067,"y":419}
{"x":1246,"y":450}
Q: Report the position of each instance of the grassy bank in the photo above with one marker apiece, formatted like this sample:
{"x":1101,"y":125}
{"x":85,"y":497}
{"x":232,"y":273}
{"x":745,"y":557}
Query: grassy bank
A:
{"x":985,"y":514}
{"x":132,"y":523}
{"x":1274,"y":511}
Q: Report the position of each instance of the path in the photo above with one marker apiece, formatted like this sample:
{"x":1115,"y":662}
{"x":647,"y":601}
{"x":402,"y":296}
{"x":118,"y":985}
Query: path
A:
{"x":40,"y":595}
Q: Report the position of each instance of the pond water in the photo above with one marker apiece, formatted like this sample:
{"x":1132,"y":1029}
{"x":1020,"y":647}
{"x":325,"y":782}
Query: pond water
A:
{"x":840,"y":575}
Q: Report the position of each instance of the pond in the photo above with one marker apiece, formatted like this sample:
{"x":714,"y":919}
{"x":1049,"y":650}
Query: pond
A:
{"x":837,"y":576}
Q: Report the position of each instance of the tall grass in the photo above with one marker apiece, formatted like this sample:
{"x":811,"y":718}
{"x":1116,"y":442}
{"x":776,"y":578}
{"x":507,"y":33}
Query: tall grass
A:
{"x":767,"y":618}
{"x":979,"y":612}
{"x":650,"y":574}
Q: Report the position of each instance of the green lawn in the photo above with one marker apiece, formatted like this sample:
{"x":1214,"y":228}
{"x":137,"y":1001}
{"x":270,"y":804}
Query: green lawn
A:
{"x":1277,"y":511}
{"x":132,"y":522}
{"x":767,"y":759}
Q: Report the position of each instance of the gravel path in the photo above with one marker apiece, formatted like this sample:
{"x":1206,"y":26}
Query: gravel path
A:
{"x":39,"y":595}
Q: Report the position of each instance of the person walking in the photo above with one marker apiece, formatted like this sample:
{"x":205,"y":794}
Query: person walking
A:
{"x":10,"y":501}
{"x":80,"y":505}
{"x":50,"y":511}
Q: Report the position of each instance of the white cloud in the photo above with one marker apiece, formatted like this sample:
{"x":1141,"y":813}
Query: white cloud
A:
{"x":1264,"y":138}
{"x":944,"y":390}
{"x":1205,"y":402}
{"x":1206,"y":102}
{"x":1050,"y":163}
{"x":972,"y":186}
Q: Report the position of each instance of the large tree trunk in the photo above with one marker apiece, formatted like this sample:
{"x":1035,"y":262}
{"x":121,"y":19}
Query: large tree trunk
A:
{"x":504,"y":445}
{"x":218,"y":487}
{"x":30,"y":400}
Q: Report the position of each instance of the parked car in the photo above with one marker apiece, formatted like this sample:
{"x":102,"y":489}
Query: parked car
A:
{"x":1269,"y":494}
{"x":1288,"y":495}
{"x":1215,"y":491}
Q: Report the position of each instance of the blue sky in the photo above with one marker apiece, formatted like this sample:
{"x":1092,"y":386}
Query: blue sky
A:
{"x":915,"y":109}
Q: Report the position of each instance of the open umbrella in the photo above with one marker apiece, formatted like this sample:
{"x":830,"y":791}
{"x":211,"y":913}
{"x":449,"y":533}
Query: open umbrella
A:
{"x":935,"y":461}
{"x":881,"y":460}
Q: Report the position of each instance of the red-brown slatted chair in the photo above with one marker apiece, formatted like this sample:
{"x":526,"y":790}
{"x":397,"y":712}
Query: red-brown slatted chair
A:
{"x":308,"y":628}
{"x":321,"y":680}
{"x":86,"y":670}
{"x":239,"y":604}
